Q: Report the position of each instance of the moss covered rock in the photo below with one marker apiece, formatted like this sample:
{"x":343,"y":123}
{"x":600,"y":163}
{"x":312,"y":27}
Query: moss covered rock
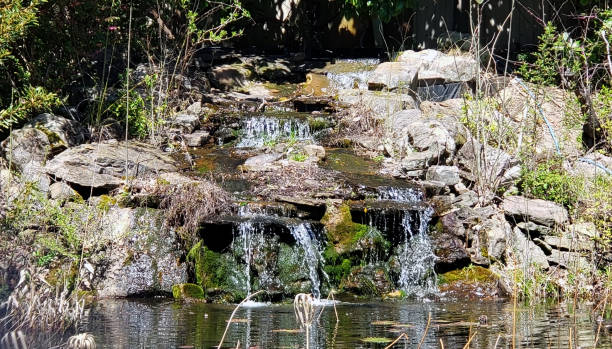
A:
{"x":470,"y":282}
{"x":187,"y":291}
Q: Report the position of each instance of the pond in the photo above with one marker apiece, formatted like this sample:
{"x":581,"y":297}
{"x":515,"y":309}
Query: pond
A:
{"x":163,"y":323}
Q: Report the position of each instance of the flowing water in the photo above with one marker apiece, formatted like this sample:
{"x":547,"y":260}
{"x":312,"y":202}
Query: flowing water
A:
{"x":350,"y":73}
{"x":167,"y":324}
{"x":259,"y":130}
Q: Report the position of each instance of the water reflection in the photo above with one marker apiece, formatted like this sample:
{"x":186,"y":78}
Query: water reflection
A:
{"x":167,"y":324}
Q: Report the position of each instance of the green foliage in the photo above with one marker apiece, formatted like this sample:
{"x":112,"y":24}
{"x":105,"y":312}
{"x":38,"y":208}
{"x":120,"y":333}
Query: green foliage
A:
{"x":550,"y":181}
{"x":596,"y":206}
{"x":299,"y":157}
{"x":30,"y":101}
{"x":336,"y":267}
{"x":603,"y":106}
{"x":138,"y":121}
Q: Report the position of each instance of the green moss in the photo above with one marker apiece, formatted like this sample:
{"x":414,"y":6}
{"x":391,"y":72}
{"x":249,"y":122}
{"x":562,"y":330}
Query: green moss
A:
{"x":186,"y":291}
{"x":214,"y":271}
{"x":342,"y":232}
{"x":470,"y":274}
{"x":318,"y":124}
{"x":106,"y":202}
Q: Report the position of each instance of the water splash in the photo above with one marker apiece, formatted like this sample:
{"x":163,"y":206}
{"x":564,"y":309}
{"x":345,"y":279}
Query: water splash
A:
{"x":259,"y":130}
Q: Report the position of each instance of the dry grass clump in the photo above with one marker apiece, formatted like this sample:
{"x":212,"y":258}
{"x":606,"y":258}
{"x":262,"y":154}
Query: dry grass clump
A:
{"x":357,"y":121}
{"x":36,"y":305}
{"x":188,"y":204}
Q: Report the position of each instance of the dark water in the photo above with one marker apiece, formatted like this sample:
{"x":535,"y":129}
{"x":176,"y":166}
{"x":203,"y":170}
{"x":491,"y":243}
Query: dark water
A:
{"x":168,"y":324}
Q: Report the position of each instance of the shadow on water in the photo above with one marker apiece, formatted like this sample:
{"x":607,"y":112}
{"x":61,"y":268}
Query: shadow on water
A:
{"x":167,"y":324}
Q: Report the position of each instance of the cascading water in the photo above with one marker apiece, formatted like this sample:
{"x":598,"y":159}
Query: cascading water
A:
{"x":256,"y":131}
{"x":351,"y":73}
{"x":306,"y":239}
{"x":415,"y":254}
{"x":250,"y":235}
{"x":416,"y":257}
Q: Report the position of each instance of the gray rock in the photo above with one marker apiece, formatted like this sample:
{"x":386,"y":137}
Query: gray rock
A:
{"x":397,"y":136}
{"x":314,"y":151}
{"x":60,"y":130}
{"x":531,"y":227}
{"x":186,"y":123}
{"x":382,"y":104}
{"x":24,"y":146}
{"x":196,"y":139}
{"x":491,"y":163}
{"x":498,"y":232}
{"x":34,"y":172}
{"x":449,"y":175}
{"x":467,"y":199}
{"x":194,"y":109}
{"x":436,"y":67}
{"x":419,"y":59}
{"x":584,"y":229}
{"x":262,"y":162}
{"x":448,"y":69}
{"x":103,"y":165}
{"x":525,"y":251}
{"x":570,"y":260}
{"x":144,"y":256}
{"x":418,"y":160}
{"x":460,"y":188}
{"x":392,"y":76}
{"x":229,"y":76}
{"x":449,"y":251}
{"x":431,"y":135}
{"x":538,"y":211}
{"x":565,"y":241}
{"x":590,"y":168}
{"x":61,"y":191}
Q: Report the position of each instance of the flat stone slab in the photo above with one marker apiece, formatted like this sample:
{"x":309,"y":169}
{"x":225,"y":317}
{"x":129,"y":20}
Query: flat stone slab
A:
{"x":103,"y":165}
{"x":538,"y":211}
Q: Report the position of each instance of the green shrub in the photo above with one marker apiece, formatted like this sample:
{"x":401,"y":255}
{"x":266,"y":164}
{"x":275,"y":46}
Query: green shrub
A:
{"x":549,"y":181}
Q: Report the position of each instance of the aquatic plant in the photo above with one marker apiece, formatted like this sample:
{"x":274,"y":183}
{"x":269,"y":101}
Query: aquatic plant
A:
{"x":303,"y":308}
{"x":82,"y":341}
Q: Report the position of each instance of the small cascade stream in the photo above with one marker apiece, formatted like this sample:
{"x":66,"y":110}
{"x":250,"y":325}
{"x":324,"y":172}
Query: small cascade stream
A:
{"x":259,"y":130}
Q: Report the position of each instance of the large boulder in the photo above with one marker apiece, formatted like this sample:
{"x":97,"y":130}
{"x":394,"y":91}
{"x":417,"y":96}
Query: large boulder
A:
{"x":435,"y":67}
{"x":143,"y":257}
{"x":66,"y":132}
{"x":538,"y":211}
{"x":393,"y":76}
{"x":448,"y":175}
{"x":24,"y":146}
{"x":494,"y":165}
{"x":103,"y":165}
{"x":229,"y":76}
{"x":525,"y":252}
{"x":381,"y":104}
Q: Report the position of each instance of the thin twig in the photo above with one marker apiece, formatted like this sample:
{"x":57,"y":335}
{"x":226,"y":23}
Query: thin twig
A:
{"x":425,"y":333}
{"x":467,"y":345}
{"x":497,"y":341}
{"x":229,"y":322}
{"x":403,"y":335}
{"x":441,"y":344}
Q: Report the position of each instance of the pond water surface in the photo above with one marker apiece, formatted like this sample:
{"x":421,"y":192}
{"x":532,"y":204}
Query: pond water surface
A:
{"x":164,"y":323}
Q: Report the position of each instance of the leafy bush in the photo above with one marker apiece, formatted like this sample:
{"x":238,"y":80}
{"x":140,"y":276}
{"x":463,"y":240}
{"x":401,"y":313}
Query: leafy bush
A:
{"x":549,"y":181}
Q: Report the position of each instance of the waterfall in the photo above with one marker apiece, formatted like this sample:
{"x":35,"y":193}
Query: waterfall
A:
{"x":415,"y":254}
{"x":416,"y":257}
{"x":256,"y":131}
{"x":351,"y":73}
{"x":306,"y":239}
{"x":250,"y":235}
